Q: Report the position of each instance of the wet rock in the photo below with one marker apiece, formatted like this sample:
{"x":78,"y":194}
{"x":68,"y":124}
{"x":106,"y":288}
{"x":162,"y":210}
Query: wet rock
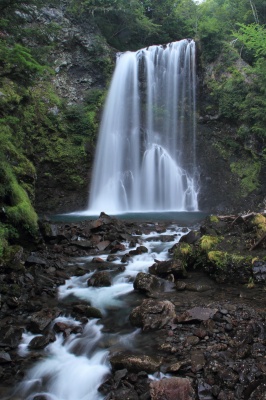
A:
{"x":135,"y":363}
{"x":100,"y":279}
{"x":161,"y":238}
{"x":87,"y":311}
{"x":152,"y":314}
{"x":138,"y":250}
{"x":190,"y":238}
{"x":146,"y":283}
{"x":172,"y":389}
{"x":41,"y":319}
{"x":66,"y":328}
{"x":40,"y":342}
{"x":117,"y":247}
{"x":97,"y":260}
{"x":164,"y":268}
{"x":196,"y":314}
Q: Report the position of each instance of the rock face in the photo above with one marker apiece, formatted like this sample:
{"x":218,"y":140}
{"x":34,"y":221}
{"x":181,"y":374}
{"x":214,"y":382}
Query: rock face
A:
{"x":82,"y":62}
{"x":152,"y":314}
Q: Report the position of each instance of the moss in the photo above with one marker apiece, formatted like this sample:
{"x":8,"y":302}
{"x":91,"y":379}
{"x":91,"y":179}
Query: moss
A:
{"x":259,"y":222}
{"x":248,"y":171}
{"x":206,"y":242}
{"x":20,"y":212}
{"x":214,"y":219}
{"x":218,"y":258}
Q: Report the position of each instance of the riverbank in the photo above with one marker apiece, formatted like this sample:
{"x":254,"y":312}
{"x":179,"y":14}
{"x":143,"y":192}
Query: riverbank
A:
{"x":208,"y":334}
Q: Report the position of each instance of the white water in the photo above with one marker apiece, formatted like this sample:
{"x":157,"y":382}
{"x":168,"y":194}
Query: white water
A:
{"x":74,"y":367}
{"x":145,"y":157}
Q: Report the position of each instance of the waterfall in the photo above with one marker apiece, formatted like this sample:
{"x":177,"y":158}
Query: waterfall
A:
{"x":145,"y":158}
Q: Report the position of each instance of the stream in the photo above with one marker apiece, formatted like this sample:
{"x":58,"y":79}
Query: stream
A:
{"x":73,"y":368}
{"x":77,"y":361}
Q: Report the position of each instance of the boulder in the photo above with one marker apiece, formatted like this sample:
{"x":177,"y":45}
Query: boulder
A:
{"x":40,"y":342}
{"x":87,"y":311}
{"x":152,"y":314}
{"x":41,"y":319}
{"x":100,"y":279}
{"x":135,"y":362}
{"x":172,"y":389}
{"x":146,"y":283}
{"x":138,"y":250}
{"x":164,"y":268}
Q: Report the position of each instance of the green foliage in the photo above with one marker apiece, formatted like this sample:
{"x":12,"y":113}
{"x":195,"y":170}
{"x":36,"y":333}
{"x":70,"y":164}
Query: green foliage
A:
{"x":248,"y":172}
{"x":208,"y":242}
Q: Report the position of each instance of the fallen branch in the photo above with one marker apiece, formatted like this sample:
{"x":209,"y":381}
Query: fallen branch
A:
{"x":258,"y":242}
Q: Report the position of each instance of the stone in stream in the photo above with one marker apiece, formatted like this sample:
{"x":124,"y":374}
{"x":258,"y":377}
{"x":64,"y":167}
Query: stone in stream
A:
{"x":87,"y":311}
{"x":40,"y":342}
{"x":146,"y":283}
{"x":100,"y":279}
{"x":152,"y":314}
{"x":164,"y":268}
{"x":172,"y":389}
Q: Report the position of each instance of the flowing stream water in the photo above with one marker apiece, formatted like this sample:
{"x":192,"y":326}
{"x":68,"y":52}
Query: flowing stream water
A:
{"x":146,"y":156}
{"x":74,"y":367}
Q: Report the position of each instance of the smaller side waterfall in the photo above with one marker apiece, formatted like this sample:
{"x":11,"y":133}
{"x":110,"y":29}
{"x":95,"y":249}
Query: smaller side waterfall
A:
{"x":145,"y":157}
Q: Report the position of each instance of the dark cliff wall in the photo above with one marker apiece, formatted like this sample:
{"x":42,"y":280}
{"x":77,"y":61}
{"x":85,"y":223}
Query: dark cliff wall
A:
{"x":231,"y":174}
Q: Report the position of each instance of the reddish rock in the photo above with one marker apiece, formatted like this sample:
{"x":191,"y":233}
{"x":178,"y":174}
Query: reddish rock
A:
{"x":172,"y":389}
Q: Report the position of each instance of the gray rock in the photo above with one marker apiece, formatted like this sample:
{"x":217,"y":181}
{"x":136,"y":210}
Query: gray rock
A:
{"x":152,"y":314}
{"x":146,"y":283}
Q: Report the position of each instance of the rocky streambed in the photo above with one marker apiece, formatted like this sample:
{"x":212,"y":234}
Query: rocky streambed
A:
{"x":185,"y":318}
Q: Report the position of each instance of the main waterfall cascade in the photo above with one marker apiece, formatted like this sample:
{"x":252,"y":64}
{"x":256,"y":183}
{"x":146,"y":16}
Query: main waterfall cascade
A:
{"x":145,"y":157}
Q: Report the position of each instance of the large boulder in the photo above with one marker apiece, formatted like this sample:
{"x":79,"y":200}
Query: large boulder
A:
{"x":152,"y":314}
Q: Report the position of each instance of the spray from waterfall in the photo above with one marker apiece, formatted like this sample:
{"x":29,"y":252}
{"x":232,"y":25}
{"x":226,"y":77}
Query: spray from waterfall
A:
{"x":146,"y":154}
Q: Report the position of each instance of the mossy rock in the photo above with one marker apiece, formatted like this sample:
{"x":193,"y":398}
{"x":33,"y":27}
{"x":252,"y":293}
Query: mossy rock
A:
{"x":207,"y":242}
{"x":225,"y":267}
{"x":12,"y":257}
{"x":259,"y":223}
